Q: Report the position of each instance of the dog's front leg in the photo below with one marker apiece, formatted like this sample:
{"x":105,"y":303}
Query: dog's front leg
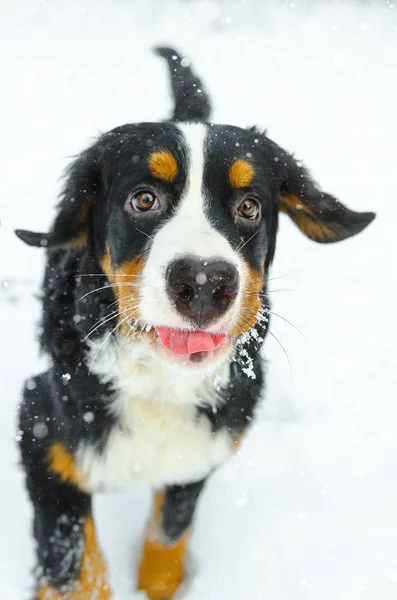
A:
{"x":76,"y":569}
{"x":163,"y":558}
{"x":70,"y":564}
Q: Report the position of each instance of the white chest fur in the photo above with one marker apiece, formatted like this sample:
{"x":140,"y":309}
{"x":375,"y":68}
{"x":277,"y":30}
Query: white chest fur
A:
{"x":161,"y":438}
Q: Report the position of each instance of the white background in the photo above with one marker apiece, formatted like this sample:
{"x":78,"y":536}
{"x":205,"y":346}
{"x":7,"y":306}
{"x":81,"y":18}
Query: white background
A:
{"x":308,"y":509}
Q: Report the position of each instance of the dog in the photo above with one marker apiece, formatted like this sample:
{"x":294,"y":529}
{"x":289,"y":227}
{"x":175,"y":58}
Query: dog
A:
{"x":155,"y":310}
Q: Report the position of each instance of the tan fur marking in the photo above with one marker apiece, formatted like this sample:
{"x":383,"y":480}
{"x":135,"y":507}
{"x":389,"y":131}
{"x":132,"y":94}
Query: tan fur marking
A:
{"x":237,"y":441}
{"x":86,"y":209}
{"x":127,"y":296}
{"x":91,"y":582}
{"x":61,"y":462}
{"x":306,"y":219}
{"x":163,"y":165}
{"x":241,"y":174}
{"x":162,"y":566}
{"x":129,"y":272}
{"x":251,"y":302}
{"x":106,"y":264}
{"x":81,"y":238}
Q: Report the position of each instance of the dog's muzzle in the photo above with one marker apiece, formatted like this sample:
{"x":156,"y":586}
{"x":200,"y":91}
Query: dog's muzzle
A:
{"x":200,"y":290}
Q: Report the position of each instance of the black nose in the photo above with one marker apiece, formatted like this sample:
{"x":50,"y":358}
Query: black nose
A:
{"x":202,"y":290}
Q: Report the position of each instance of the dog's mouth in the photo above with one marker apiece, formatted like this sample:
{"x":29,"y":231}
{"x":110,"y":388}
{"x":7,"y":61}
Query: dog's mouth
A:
{"x":190,"y":347}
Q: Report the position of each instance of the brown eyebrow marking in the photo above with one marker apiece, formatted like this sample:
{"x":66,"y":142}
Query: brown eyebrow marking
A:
{"x":162,"y":164}
{"x":241,"y":173}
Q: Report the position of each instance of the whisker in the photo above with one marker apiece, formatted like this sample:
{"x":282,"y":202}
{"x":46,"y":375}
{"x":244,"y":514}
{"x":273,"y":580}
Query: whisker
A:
{"x":258,"y":281}
{"x":277,"y":340}
{"x":103,"y":275}
{"x":243,"y":319}
{"x":105,"y":340}
{"x":111,"y":285}
{"x":102,"y":322}
{"x":104,"y":318}
{"x":147,"y":235}
{"x":122,"y":344}
{"x":238,"y":246}
{"x":267,"y":311}
{"x":113,"y":303}
{"x":267,"y":292}
{"x":286,"y":275}
{"x":284,"y":351}
{"x":245,"y":243}
{"x":286,"y":320}
{"x":108,"y":314}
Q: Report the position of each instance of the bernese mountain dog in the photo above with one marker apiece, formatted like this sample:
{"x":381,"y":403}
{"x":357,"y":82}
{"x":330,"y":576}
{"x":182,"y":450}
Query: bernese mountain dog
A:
{"x":155,"y":310}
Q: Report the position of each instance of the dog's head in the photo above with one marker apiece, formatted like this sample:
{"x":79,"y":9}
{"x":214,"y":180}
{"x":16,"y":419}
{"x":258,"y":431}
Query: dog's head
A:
{"x":183,"y":220}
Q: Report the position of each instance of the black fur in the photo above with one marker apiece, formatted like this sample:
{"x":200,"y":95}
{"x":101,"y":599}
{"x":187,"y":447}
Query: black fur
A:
{"x":59,"y":508}
{"x":90,"y":216}
{"x":178,"y":510}
{"x":192,"y":102}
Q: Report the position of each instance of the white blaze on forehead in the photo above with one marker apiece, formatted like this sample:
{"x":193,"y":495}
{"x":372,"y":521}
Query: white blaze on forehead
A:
{"x":193,"y":198}
{"x":188,"y":232}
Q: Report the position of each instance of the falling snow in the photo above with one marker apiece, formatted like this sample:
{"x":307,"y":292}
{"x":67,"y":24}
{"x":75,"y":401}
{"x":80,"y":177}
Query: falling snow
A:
{"x":88,"y":417}
{"x":307,"y":508}
{"x":40,"y":431}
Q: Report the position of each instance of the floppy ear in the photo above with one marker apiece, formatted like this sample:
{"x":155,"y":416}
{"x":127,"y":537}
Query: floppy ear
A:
{"x":318,"y":215}
{"x":71,"y":223}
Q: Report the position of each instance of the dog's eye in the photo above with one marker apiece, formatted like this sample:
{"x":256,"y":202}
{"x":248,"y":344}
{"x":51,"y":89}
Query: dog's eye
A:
{"x":248,"y":209}
{"x":143,"y":201}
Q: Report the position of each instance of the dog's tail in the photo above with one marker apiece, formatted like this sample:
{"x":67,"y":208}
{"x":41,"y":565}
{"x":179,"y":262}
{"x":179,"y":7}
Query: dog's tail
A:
{"x":192,"y":102}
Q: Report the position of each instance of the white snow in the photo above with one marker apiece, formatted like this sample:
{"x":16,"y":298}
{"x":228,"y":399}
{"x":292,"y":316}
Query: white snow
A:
{"x":307,"y":510}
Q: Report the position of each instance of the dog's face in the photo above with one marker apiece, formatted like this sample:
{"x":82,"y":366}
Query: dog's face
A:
{"x":183,"y":220}
{"x":189,"y":227}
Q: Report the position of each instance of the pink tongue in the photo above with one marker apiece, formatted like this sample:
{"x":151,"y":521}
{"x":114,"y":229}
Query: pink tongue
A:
{"x":188,"y":342}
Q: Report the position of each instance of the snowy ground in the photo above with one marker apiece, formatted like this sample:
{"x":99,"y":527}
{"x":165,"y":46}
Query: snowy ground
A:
{"x":308,"y":508}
